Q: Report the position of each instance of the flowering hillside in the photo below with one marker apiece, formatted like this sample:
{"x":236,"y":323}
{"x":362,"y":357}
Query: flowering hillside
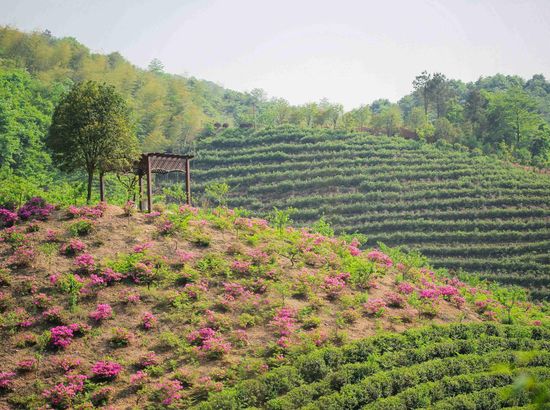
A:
{"x":462,"y":209}
{"x":103,"y":307}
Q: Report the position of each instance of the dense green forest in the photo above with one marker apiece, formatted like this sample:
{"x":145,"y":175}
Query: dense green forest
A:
{"x":462,"y":209}
{"x":501,"y":114}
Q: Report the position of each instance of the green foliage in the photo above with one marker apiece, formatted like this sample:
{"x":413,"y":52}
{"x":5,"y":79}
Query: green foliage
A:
{"x":91,"y":130}
{"x":280,"y":218}
{"x":82,"y":227}
{"x":70,"y":285}
{"x":217,"y":191}
{"x":429,"y":367}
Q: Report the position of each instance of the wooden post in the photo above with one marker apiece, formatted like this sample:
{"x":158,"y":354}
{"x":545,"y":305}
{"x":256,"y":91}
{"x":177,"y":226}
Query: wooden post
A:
{"x":149,"y":187}
{"x":101,"y":187}
{"x":140,"y":187}
{"x":187,"y":181}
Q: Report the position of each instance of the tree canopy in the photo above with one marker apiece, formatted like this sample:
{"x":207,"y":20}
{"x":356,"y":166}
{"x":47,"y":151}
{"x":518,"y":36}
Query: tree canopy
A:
{"x":91,"y":129}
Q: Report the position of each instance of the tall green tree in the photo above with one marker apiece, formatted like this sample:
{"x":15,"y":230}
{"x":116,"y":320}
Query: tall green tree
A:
{"x":421,"y":86}
{"x":92,"y":130}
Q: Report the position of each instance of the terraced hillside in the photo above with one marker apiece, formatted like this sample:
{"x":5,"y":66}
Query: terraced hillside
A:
{"x":464,"y":211}
{"x":438,"y":368}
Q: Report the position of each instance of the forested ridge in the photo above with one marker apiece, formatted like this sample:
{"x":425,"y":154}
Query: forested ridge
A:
{"x":504,"y":115}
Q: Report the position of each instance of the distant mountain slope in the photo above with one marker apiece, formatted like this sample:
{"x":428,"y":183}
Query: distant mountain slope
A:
{"x":464,"y":211}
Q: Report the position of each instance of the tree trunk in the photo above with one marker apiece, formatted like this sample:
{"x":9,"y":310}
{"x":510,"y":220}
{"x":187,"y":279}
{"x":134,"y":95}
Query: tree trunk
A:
{"x":90,"y":182}
{"x":101,"y":187}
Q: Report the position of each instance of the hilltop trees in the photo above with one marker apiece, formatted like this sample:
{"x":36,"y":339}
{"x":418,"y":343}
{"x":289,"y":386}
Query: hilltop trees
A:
{"x":91,"y":130}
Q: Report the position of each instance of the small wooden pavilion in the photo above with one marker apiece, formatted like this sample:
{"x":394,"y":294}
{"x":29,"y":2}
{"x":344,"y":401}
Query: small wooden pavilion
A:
{"x":162,"y":163}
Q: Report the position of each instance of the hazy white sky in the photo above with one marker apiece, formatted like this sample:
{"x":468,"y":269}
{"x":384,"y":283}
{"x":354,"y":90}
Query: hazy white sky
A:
{"x":348,"y":51}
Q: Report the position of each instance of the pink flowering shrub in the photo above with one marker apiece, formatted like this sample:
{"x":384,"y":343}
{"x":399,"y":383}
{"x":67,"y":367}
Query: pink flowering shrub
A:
{"x":94,"y":212}
{"x":138,"y":378}
{"x":185,"y":256}
{"x":52,"y":235}
{"x":148,"y":320}
{"x":374,"y":307}
{"x":85,"y":263}
{"x":167,"y":392}
{"x":150,"y":359}
{"x":380,"y":257}
{"x":284,"y":323}
{"x":458,"y":301}
{"x":121,"y":337}
{"x":354,"y":247}
{"x":194,"y":290}
{"x":333,"y":285}
{"x":405,"y":288}
{"x":104,"y":370}
{"x":68,"y":363}
{"x":62,"y":336}
{"x":22,"y":257}
{"x":41,"y":300}
{"x":6,"y":380}
{"x":26,"y":365}
{"x":394,"y":300}
{"x":53,"y":314}
{"x":241,"y":266}
{"x":103,"y":311}
{"x":7,"y":218}
{"x":259,"y":257}
{"x":166,"y":227}
{"x":109,"y":276}
{"x":151,"y":216}
{"x":35,"y":208}
{"x":208,"y":343}
{"x":429,"y":294}
{"x":142,"y":247}
{"x":129,"y":208}
{"x":62,"y":395}
{"x":447,"y":291}
{"x":73,"y":247}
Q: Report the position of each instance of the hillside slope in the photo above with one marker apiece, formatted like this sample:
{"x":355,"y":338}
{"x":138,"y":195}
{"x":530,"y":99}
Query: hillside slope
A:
{"x":464,"y":211}
{"x":147,"y":311}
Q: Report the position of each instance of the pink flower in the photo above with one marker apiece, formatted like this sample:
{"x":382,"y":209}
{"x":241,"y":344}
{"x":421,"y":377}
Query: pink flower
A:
{"x":374,"y":307}
{"x":432,"y":294}
{"x":380,"y":257}
{"x":142,"y":247}
{"x":138,"y":377}
{"x":62,"y":336}
{"x":148,"y":320}
{"x":208,"y":342}
{"x":73,"y":247}
{"x":85,"y":262}
{"x":395,"y":299}
{"x":284,"y":323}
{"x":447,"y":291}
{"x":405,"y":288}
{"x":103,"y":311}
{"x":169,"y":391}
{"x":184,"y":256}
{"x":62,"y":395}
{"x":106,"y":370}
{"x":27,"y":364}
{"x":6,"y":379}
{"x":334,"y":285}
{"x":241,"y":266}
{"x":150,"y":359}
{"x":354,"y":250}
